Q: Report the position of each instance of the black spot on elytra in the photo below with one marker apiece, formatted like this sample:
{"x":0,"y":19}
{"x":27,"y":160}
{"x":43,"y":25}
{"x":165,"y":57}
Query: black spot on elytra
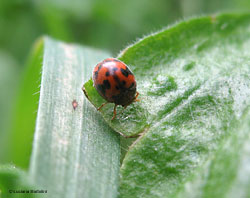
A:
{"x":101,"y":88}
{"x":99,"y":68}
{"x":106,"y":84}
{"x":116,"y":78}
{"x":126,"y":72}
{"x":107,"y":73}
{"x":114,"y":69}
{"x":132,"y":85}
{"x":120,"y":84}
{"x":96,"y":74}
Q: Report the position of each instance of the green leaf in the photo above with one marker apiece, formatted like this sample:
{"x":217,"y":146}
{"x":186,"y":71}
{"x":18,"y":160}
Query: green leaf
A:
{"x":9,"y":70}
{"x":22,"y":128}
{"x":15,"y":183}
{"x":209,"y":61}
{"x":128,"y":123}
{"x":225,"y":173}
{"x":194,"y":85}
{"x":75,"y":153}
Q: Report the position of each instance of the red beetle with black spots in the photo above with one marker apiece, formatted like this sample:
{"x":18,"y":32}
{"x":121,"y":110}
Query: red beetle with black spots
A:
{"x":115,"y":83}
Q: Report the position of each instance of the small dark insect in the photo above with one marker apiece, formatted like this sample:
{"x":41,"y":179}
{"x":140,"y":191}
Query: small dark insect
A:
{"x":115,"y":82}
{"x":74,"y":104}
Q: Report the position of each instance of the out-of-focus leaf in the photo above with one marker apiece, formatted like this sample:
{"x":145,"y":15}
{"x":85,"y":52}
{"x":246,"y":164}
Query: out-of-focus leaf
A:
{"x":20,"y":137}
{"x":20,"y":26}
{"x":15,"y":183}
{"x":8,"y":85}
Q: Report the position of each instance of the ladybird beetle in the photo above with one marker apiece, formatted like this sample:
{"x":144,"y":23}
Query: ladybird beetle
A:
{"x":115,"y":82}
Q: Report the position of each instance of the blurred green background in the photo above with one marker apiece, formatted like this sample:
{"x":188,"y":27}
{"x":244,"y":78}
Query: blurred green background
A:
{"x":106,"y":24}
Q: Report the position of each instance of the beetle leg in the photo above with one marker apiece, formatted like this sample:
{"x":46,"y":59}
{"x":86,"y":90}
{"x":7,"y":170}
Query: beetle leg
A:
{"x":114,"y":112}
{"x":137,"y":94}
{"x":99,"y":108}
